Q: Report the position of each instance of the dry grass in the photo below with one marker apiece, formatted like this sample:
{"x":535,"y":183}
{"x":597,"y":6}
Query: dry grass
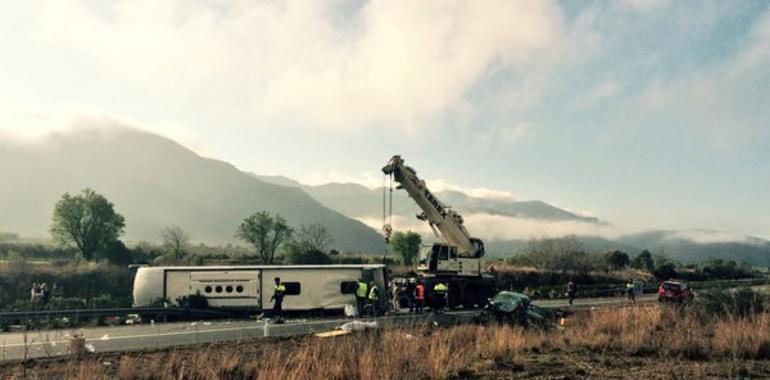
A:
{"x":638,"y":340}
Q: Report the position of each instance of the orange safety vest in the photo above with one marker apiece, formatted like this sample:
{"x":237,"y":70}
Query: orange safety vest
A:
{"x":420,"y":290}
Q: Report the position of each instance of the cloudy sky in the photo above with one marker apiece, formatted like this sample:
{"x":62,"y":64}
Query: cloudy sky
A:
{"x":644,"y":113}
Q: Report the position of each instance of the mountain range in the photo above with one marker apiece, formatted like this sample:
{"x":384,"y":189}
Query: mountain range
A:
{"x":155,"y":182}
{"x":362,"y":202}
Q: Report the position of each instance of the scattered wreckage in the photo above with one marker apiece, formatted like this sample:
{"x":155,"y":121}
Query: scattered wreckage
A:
{"x":515,"y":309}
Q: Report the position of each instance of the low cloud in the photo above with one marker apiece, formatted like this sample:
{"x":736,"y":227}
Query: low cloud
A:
{"x":374,"y":181}
{"x":707,"y":237}
{"x":436,"y":185}
{"x":35,"y":125}
{"x":496,"y":227}
{"x":327,"y":64}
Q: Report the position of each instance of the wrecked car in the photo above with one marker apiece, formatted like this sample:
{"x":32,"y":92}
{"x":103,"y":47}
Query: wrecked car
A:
{"x":515,"y":309}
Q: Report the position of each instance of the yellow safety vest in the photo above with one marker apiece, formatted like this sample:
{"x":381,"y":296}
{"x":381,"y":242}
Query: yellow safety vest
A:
{"x":373,"y":293}
{"x":361,"y":290}
{"x":280,"y":289}
{"x":440,"y":287}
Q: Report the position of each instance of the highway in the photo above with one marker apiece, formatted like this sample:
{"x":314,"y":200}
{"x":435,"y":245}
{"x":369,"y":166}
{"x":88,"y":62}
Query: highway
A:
{"x":51,"y":343}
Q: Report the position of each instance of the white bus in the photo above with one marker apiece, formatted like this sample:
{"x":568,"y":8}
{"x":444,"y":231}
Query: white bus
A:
{"x":308,"y":287}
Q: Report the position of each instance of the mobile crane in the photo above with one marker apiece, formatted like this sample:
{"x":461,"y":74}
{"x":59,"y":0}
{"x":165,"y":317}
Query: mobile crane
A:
{"x":458,"y":258}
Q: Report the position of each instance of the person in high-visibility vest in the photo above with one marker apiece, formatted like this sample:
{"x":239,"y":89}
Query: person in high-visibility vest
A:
{"x":374,"y":295}
{"x":362,"y":291}
{"x":419,"y":297}
{"x":440,"y":291}
{"x":278,"y":292}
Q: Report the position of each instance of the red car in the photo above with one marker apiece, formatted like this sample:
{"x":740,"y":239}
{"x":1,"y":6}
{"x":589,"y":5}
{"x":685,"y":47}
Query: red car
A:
{"x":674,"y":291}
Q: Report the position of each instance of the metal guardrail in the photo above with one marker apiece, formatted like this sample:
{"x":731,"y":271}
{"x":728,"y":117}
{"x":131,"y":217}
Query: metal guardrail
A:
{"x":78,"y":314}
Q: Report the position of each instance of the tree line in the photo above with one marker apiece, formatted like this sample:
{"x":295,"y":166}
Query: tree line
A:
{"x":89,"y":224}
{"x":567,"y":255}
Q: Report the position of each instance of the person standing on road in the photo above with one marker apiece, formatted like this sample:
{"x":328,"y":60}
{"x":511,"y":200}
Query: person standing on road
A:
{"x":361,"y":292}
{"x":278,"y":293}
{"x":440,"y":290}
{"x":571,"y":291}
{"x":374,"y":297}
{"x":395,"y":295}
{"x":33,"y":292}
{"x":410,"y":289}
{"x":630,"y":290}
{"x":419,"y":297}
{"x":45,"y":294}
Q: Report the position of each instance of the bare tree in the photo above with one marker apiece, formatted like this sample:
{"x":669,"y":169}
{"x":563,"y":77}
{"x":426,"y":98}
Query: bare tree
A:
{"x":175,"y":240}
{"x":315,"y":237}
{"x":564,"y":254}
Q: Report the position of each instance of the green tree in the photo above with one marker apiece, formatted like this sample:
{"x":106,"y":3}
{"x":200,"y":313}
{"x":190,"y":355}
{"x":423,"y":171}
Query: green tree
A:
{"x":644,"y":261}
{"x":299,"y":253}
{"x":665,"y":271}
{"x":266,"y":233}
{"x":116,"y":253}
{"x":406,"y":245}
{"x":87,"y":221}
{"x":616,"y":259}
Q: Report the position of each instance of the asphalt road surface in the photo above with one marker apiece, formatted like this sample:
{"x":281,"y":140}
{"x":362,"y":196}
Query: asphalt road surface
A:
{"x":50,"y":343}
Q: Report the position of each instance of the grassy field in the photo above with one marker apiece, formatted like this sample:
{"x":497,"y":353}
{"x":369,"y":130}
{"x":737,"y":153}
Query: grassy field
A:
{"x":636,"y":342}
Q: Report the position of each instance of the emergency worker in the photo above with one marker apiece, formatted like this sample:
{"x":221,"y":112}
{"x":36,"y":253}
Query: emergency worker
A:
{"x":361,"y":294}
{"x":374,"y":296}
{"x":279,"y":291}
{"x":419,"y":297}
{"x":440,"y":291}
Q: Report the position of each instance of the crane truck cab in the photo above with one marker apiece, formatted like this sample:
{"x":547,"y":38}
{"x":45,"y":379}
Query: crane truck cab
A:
{"x":440,"y":258}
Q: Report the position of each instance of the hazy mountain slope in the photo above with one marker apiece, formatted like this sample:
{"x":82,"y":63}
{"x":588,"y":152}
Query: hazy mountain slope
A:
{"x":154,"y":182}
{"x":361,"y":202}
{"x":277,"y":180}
{"x":673,"y":244}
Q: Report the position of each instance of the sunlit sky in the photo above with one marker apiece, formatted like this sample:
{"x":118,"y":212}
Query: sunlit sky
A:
{"x":643,"y":113}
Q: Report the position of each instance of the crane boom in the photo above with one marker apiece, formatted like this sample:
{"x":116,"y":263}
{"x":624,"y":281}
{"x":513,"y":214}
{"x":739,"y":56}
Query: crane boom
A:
{"x":448,"y":222}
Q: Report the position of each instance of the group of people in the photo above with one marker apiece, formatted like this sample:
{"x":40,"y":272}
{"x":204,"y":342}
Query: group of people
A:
{"x":368,"y":297}
{"x":40,"y":294}
{"x":630,"y":290}
{"x":415,"y":295}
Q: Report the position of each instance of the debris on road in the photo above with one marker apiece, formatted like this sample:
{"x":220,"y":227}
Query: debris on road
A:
{"x":349,"y":327}
{"x":357,"y":325}
{"x":330,"y":334}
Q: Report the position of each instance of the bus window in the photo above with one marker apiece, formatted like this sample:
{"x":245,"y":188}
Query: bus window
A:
{"x":348,"y":287}
{"x":292,"y":288}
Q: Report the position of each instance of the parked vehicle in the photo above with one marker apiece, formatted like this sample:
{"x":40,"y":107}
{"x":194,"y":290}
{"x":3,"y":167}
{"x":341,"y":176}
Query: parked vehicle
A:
{"x":308,"y":287}
{"x":675,"y":291}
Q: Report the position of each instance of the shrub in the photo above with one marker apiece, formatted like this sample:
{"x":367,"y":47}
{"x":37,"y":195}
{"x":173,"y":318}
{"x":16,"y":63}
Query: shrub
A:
{"x":743,"y":302}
